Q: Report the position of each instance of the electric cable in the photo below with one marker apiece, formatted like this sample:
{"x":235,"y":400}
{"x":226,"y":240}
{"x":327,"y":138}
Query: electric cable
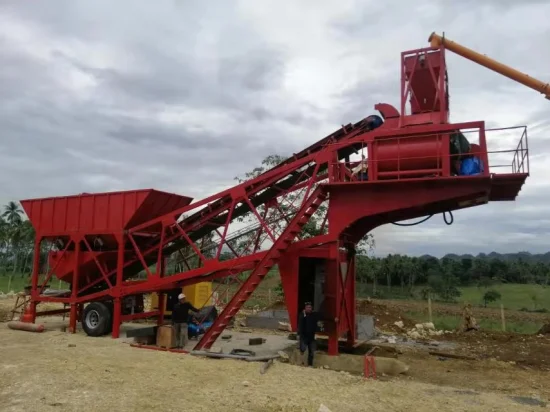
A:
{"x":447,"y":222}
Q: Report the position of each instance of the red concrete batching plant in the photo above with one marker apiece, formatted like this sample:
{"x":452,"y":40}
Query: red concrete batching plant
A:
{"x":415,"y":163}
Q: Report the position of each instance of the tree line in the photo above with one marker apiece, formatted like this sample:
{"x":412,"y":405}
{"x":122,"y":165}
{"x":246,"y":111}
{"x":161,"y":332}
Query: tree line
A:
{"x":427,"y":276}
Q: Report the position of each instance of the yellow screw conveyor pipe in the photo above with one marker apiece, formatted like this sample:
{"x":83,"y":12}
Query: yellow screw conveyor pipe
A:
{"x":436,"y":41}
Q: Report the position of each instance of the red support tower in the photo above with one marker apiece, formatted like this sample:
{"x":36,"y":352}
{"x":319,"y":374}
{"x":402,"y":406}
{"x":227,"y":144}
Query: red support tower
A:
{"x":112,"y":247}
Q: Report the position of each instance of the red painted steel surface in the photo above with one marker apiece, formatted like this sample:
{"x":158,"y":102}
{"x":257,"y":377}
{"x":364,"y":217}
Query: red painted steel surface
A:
{"x":409,"y":176}
{"x":99,"y":212}
{"x":88,"y":271}
{"x":421,"y":70}
{"x":414,"y":153}
{"x":424,"y":86}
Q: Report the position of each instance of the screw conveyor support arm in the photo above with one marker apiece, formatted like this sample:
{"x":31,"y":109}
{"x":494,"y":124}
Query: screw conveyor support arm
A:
{"x":538,"y":85}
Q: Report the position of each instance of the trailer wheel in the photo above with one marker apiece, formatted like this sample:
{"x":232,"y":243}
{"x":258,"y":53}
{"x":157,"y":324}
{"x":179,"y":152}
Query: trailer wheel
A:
{"x":96,"y":319}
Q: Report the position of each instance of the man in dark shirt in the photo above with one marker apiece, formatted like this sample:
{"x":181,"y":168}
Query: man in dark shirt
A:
{"x":180,"y":316}
{"x":307,"y":327}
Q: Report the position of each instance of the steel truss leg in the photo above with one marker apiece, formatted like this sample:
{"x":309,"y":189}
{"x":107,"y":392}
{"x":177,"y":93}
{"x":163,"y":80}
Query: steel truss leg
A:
{"x":162,"y":308}
{"x":117,"y":313}
{"x":161,"y":267}
{"x":117,"y":289}
{"x":34,"y":277}
{"x":74,"y":293}
{"x":333,"y":344}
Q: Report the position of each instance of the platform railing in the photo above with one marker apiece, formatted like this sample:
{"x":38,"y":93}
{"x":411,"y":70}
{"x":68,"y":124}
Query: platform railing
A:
{"x":441,"y":162}
{"x":512,"y":161}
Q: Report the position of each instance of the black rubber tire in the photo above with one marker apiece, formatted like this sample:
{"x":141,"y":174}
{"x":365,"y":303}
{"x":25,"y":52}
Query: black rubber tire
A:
{"x":97,"y":319}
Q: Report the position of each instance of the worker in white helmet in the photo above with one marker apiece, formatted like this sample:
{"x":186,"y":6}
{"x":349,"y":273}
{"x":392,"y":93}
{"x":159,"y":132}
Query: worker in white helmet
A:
{"x":180,"y":320}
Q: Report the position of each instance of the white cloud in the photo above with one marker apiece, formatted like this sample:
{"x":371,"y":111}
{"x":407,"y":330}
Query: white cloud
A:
{"x":184,"y":96}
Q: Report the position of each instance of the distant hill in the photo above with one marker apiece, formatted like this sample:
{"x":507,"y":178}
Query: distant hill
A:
{"x":525,"y":256}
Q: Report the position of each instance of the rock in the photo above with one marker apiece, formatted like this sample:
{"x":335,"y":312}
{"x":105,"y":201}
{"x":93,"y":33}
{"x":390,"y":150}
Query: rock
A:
{"x":284,"y":356}
{"x":419,"y":326}
{"x":428,"y":325}
{"x":414,"y":334}
{"x":323,"y":408}
{"x":326,"y":367}
{"x":399,"y":324}
{"x":392,"y":340}
{"x":246,"y":383}
{"x":390,"y":366}
{"x":285,"y":326}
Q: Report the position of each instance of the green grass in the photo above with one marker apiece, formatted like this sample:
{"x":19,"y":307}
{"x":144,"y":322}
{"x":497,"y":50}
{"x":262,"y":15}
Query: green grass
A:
{"x":514,"y":296}
{"x":17,"y":283}
{"x":446,"y":322}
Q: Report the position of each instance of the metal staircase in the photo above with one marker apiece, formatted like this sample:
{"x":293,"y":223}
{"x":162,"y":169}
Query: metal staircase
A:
{"x":270,"y":259}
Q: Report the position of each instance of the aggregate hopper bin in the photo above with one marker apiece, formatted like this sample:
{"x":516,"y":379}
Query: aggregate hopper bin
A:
{"x":97,"y":218}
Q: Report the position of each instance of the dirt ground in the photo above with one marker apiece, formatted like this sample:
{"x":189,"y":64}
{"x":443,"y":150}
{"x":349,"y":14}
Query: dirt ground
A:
{"x":456,"y":310}
{"x":57,"y":371}
{"x":523,"y":351}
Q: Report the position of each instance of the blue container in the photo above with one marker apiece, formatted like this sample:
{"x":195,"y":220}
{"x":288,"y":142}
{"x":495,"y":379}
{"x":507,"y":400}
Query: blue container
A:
{"x":195,"y":330}
{"x":471,"y":166}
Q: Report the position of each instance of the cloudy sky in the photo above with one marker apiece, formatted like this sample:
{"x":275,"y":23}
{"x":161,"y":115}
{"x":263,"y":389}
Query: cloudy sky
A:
{"x":184,"y":95}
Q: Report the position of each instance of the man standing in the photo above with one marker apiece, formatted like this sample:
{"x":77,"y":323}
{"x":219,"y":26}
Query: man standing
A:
{"x":361,"y":170}
{"x":180,"y":317}
{"x":307,"y":327}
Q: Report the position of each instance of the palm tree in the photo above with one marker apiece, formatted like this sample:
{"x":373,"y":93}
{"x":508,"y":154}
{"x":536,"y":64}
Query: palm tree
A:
{"x":14,"y":230}
{"x":12,"y":213}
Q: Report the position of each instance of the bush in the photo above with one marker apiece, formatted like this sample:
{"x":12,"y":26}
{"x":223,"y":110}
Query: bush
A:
{"x":491,"y":296}
{"x":279,"y":292}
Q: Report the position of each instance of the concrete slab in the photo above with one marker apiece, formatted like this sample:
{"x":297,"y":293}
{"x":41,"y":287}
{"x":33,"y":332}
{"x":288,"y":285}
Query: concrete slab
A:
{"x":365,"y":327}
{"x":270,"y":319}
{"x":259,"y":322}
{"x":267,"y":319}
{"x":276,"y":314}
{"x":239,"y":340}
